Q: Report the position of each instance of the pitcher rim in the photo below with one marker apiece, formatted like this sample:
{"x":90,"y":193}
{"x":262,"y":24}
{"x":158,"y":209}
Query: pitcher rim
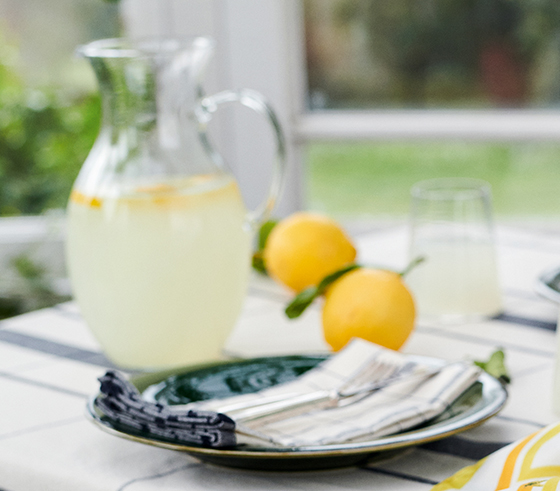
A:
{"x":122,"y":47}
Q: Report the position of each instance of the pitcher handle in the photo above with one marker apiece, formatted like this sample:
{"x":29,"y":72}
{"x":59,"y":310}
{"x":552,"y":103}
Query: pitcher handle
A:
{"x":253,"y":100}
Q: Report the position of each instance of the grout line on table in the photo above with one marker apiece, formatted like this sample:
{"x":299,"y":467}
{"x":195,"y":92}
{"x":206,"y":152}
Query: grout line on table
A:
{"x":530,"y":371}
{"x":46,"y":426}
{"x":43,"y":385}
{"x":400,"y":475}
{"x":520,"y":420}
{"x":158,"y":475}
{"x":480,"y":340}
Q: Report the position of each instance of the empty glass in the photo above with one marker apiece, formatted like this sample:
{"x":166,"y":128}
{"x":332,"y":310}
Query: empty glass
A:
{"x":452,"y":228}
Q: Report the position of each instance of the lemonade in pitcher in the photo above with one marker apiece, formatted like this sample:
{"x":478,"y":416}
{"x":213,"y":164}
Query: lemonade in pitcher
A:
{"x":159,"y":240}
{"x":151,"y":264}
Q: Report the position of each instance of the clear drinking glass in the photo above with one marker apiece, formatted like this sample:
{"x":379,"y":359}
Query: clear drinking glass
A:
{"x":451,"y":226}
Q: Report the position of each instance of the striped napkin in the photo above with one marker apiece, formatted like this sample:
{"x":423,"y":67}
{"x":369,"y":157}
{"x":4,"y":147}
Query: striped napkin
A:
{"x":532,"y":463}
{"x":122,"y":404}
{"x":399,"y":406}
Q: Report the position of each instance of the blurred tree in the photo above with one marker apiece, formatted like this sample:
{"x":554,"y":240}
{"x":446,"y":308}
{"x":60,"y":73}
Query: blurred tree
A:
{"x":487,"y":52}
{"x":44,"y":139}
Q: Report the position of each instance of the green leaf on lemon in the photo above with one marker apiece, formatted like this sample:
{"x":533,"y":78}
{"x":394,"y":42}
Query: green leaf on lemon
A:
{"x":257,"y":260}
{"x":264,"y":232}
{"x":411,"y":265}
{"x":306,"y":297}
{"x":302,"y":300}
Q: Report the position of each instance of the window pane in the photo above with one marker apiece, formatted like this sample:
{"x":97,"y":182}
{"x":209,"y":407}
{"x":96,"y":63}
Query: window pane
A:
{"x":358,"y":180}
{"x":432,"y":53}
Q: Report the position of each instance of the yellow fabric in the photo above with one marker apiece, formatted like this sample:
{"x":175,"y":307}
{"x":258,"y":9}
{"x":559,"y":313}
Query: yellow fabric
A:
{"x":511,"y":460}
{"x":551,"y":484}
{"x":457,"y":480}
{"x":531,"y":464}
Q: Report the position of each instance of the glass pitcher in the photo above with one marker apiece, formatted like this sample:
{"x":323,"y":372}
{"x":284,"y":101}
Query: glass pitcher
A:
{"x":159,"y":241}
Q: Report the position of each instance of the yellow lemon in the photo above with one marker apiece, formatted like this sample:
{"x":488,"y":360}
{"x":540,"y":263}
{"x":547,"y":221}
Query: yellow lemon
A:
{"x":371,"y":304}
{"x":304,"y":248}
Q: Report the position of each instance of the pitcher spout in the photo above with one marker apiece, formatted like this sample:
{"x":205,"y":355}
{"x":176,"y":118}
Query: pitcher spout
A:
{"x":141,"y":80}
{"x":150,"y":89}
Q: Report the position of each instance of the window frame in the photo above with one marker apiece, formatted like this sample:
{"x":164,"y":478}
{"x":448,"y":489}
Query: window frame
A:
{"x":473,"y":125}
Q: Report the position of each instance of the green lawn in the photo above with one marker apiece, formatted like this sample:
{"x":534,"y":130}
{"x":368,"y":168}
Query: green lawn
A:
{"x":355,"y":179}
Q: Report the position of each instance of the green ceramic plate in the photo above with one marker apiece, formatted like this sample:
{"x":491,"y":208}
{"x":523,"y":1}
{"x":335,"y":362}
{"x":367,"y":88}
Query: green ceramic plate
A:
{"x":482,"y":401}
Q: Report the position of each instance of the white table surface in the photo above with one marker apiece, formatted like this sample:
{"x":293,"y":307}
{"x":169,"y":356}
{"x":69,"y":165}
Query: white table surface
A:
{"x":49,"y":364}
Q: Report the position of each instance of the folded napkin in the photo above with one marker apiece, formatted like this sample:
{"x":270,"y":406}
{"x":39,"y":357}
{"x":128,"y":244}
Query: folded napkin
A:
{"x":532,"y":463}
{"x":122,"y":404}
{"x":401,"y":405}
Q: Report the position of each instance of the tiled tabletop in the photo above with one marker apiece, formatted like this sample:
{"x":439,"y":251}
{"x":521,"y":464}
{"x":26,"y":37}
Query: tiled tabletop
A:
{"x":49,"y":364}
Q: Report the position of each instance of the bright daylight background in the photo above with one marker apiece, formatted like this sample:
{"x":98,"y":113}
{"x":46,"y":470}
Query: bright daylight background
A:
{"x":436,"y":55}
{"x":439,"y":55}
